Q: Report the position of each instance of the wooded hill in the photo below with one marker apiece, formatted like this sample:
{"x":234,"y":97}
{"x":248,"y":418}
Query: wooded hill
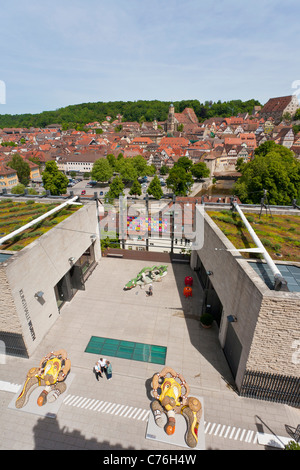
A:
{"x":77,"y":115}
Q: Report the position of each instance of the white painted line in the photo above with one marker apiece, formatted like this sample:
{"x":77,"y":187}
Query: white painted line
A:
{"x":146,"y":415}
{"x":216,"y":431}
{"x":107,"y":404}
{"x":117,"y":412}
{"x":212,"y":428}
{"x":102,"y":406}
{"x":249,"y":436}
{"x":228,"y":429}
{"x":79,"y":402}
{"x":207,"y":427}
{"x":222,"y":430}
{"x":142,"y":413}
{"x":138,"y":411}
{"x":128,"y":411}
{"x":124,"y":410}
{"x":110,"y":407}
{"x":75,"y":398}
{"x":116,"y":409}
{"x":90,"y":404}
{"x":83,"y":402}
{"x":86,"y":403}
{"x":9,"y":387}
{"x":99,"y":404}
{"x":66,"y":399}
{"x":94,"y":405}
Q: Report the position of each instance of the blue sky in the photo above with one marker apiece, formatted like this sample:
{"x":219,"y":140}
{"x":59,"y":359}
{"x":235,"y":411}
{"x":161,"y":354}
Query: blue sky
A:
{"x":55,"y":53}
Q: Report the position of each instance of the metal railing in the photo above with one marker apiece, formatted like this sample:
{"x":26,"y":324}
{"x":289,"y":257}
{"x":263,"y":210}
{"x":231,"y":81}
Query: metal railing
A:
{"x":271,"y":387}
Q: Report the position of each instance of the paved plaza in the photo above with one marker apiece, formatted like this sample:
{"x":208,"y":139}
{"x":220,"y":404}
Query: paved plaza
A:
{"x":113,"y":415}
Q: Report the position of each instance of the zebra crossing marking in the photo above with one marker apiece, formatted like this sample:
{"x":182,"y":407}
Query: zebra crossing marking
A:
{"x":140,"y":414}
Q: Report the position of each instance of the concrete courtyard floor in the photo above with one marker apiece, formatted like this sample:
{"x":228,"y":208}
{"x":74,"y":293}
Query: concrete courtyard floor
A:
{"x":167,"y":319}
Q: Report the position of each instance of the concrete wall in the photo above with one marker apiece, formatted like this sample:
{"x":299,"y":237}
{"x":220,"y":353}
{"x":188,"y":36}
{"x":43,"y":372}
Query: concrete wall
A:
{"x":267,"y":321}
{"x":9,"y":320}
{"x":39,"y":267}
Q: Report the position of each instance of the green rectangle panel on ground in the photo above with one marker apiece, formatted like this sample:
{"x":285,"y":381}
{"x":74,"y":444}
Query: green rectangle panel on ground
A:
{"x":127,"y":350}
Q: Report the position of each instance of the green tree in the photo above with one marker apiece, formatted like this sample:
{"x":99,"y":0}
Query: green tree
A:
{"x":22,"y":168}
{"x":179,"y":180}
{"x":164,"y":170}
{"x":127,"y":170}
{"x":136,"y":188}
{"x":185,"y":163}
{"x":155,"y":189}
{"x":53,"y":180}
{"x":102,"y":171}
{"x":111,"y":160}
{"x":140,"y":164}
{"x":240,"y":163}
{"x":115,"y":189}
{"x":277,"y":171}
{"x":297,"y":115}
{"x":200,"y":170}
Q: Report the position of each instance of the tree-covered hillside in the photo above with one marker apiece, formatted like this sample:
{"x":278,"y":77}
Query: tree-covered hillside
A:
{"x":84,"y":113}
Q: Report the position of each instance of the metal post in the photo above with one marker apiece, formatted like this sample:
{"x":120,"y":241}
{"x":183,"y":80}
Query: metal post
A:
{"x":280,"y":282}
{"x":173,"y":224}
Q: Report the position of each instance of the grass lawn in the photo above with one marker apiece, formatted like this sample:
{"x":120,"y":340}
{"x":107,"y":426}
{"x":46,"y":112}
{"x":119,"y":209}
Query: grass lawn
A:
{"x":280,"y":234}
{"x":14,"y":215}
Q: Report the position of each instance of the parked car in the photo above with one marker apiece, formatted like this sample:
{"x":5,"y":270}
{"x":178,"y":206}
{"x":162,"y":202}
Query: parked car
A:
{"x":83,"y":192}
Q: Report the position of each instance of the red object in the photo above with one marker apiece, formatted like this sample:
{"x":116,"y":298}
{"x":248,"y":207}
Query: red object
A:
{"x":188,"y":291}
{"x":188,"y":281}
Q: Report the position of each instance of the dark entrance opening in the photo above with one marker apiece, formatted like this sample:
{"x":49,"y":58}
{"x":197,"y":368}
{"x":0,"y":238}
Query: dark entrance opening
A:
{"x":212,"y":303}
{"x":232,"y":349}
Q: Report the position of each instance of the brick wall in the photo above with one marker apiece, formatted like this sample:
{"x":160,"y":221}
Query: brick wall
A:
{"x":276,"y":343}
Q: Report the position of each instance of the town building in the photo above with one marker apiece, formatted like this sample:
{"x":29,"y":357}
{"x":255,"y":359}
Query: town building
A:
{"x":277,"y":107}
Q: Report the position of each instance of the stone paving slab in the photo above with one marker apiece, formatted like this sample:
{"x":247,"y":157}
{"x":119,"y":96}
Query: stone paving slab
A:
{"x":166,"y":319}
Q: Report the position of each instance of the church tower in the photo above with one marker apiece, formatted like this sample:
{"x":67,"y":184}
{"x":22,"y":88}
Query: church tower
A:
{"x":171,"y":120}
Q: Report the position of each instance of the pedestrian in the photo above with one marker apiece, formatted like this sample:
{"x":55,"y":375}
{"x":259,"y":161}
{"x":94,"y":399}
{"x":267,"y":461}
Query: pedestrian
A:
{"x":150,"y":291}
{"x":102,"y":363}
{"x":108,"y":370}
{"x":97,"y":370}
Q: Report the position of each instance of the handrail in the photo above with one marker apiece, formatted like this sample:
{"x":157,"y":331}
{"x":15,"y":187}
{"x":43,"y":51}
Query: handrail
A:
{"x":280,"y":282}
{"x":38,"y":219}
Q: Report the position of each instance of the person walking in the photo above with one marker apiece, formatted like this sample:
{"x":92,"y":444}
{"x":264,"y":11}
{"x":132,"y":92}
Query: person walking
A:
{"x":150,"y":291}
{"x":102,"y":363}
{"x":108,"y":370}
{"x":97,"y":370}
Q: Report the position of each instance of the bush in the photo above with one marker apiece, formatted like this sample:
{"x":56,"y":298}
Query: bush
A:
{"x":292,"y":445}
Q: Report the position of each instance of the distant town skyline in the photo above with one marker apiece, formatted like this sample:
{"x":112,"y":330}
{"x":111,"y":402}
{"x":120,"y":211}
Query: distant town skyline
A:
{"x":58,"y":54}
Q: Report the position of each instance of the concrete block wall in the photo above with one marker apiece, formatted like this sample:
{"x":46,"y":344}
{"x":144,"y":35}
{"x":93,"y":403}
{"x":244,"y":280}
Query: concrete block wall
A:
{"x":39,"y":267}
{"x":267,"y":321}
{"x":276,"y":342}
{"x":9,"y":320}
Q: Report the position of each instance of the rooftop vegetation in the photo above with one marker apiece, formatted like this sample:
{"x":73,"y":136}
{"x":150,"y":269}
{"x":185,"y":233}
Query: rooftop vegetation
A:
{"x":13,"y":215}
{"x":280,"y":234}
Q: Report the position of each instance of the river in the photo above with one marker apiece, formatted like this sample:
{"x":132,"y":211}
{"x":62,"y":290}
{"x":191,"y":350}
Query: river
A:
{"x":221,"y":189}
